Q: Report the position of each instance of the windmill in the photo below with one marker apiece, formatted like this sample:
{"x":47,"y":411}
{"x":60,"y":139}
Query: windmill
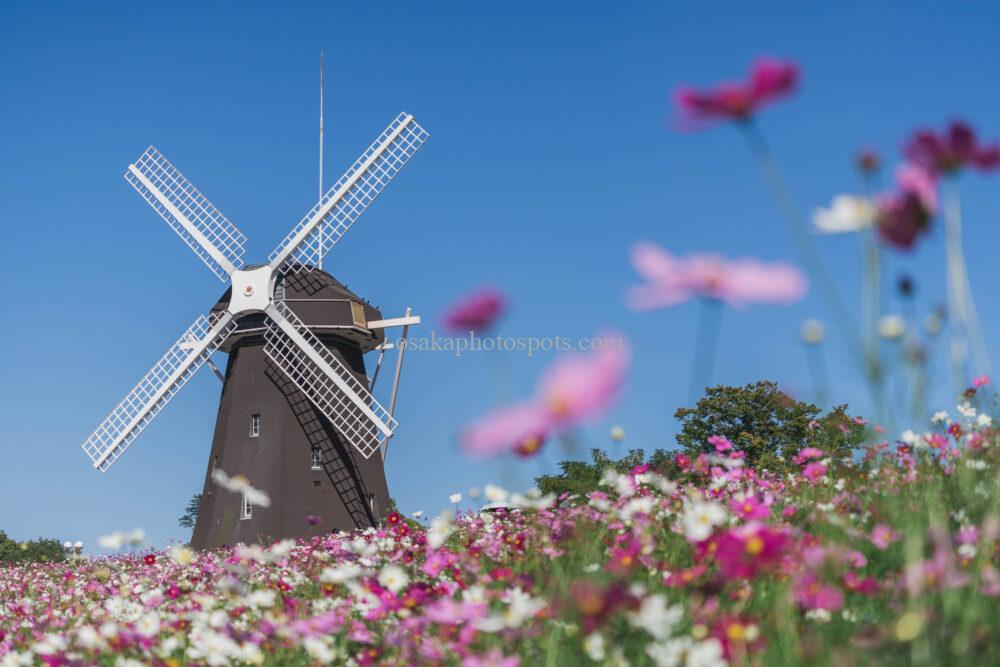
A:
{"x":296,"y":404}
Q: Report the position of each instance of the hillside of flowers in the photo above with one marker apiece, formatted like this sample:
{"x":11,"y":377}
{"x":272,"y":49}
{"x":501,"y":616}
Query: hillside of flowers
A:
{"x":890,"y":558}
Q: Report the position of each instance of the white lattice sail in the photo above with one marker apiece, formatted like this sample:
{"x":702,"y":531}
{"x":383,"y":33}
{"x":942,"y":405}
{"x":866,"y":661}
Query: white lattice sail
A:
{"x":216,"y":240}
{"x":336,"y":392}
{"x":350,"y":196}
{"x":141,"y":405}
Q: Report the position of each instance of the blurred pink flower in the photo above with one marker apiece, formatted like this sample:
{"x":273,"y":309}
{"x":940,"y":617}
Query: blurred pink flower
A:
{"x":476,"y":311}
{"x":720,"y":442}
{"x":769,"y":79}
{"x":811,"y":593}
{"x":905,"y":215}
{"x":882,"y":536}
{"x":981,"y":381}
{"x":578,"y":387}
{"x":950,"y":151}
{"x":506,"y":428}
{"x":814,"y":471}
{"x":744,"y":551}
{"x":671,"y":280}
{"x":574,"y":389}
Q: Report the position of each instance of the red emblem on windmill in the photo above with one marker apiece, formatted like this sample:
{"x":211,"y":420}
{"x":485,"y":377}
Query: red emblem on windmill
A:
{"x":248,"y":290}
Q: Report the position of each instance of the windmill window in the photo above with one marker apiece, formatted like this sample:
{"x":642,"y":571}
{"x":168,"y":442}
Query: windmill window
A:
{"x":316,"y":458}
{"x":358,"y":315}
{"x":246,"y":511}
{"x":254,"y":426}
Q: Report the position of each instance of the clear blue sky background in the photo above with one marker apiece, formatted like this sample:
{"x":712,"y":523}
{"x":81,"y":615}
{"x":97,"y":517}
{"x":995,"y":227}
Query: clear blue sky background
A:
{"x":550,"y":154}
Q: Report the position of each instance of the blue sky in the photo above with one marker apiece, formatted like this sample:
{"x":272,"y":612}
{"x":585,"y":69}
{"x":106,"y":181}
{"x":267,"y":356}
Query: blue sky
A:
{"x":550,"y":153}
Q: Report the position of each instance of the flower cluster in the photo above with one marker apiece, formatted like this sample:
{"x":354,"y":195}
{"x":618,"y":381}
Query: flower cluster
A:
{"x":704,"y":562}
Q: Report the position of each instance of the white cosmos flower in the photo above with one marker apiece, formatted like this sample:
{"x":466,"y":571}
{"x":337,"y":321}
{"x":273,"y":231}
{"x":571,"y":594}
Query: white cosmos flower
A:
{"x":440,"y":530}
{"x":845,"y":214}
{"x":113,"y":541}
{"x":495,"y":494}
{"x":418,"y":514}
{"x":240,"y":484}
{"x":594,"y":647}
{"x":669,"y":653}
{"x":707,"y":653}
{"x":181,"y":554}
{"x":656,"y":618}
{"x":319,"y":650}
{"x":891,"y":327}
{"x":940,"y":417}
{"x":341,"y":573}
{"x":984,"y":420}
{"x":393,"y":578}
{"x":700,"y":518}
{"x":149,"y":624}
{"x":455,"y":498}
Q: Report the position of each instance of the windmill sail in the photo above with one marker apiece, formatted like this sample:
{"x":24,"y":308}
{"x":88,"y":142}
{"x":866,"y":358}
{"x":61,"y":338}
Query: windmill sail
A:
{"x":343,"y":203}
{"x":203,"y":227}
{"x":141,"y":405}
{"x":326,"y":382}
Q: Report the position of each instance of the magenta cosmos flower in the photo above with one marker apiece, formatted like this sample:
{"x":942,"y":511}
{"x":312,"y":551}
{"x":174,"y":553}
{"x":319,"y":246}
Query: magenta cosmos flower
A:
{"x":769,"y":80}
{"x":476,"y":311}
{"x":905,"y":215}
{"x":672,"y":280}
{"x":955,"y":148}
{"x":575,"y":389}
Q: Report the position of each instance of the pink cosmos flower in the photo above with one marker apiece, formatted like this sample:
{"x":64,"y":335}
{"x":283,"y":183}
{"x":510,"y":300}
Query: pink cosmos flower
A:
{"x":720,"y":442}
{"x":671,"y":280}
{"x":811,"y":593}
{"x":769,"y":80}
{"x":506,"y":428}
{"x":744,"y":551}
{"x":882,"y":536}
{"x":950,"y":151}
{"x":580,"y":386}
{"x":981,"y":381}
{"x":476,"y":311}
{"x":905,"y":215}
{"x":807,"y":453}
{"x":750,"y":508}
{"x":814,"y":472}
{"x":573,"y":390}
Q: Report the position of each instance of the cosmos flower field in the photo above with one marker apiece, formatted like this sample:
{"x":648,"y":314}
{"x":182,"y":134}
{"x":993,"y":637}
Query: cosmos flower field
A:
{"x":888,"y":558}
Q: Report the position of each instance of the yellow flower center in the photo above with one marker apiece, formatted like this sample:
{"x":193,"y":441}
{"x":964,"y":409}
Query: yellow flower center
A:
{"x":754,"y":545}
{"x":735,"y":632}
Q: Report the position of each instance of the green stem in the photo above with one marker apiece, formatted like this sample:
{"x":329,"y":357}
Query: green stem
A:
{"x":705,"y":345}
{"x":963,"y":317}
{"x":820,"y":275}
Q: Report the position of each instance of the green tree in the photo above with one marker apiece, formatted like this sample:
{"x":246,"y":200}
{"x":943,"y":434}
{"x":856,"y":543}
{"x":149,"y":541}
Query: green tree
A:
{"x":578,"y":478}
{"x":190,"y":512}
{"x":34,"y":551}
{"x":765,"y":423}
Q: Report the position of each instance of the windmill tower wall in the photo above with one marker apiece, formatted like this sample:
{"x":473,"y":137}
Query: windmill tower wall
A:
{"x":275,"y":451}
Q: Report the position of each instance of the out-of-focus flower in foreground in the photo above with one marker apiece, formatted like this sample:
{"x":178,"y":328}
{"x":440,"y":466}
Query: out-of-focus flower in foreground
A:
{"x":575,"y":389}
{"x":891,"y":327}
{"x":240,"y":484}
{"x":846,"y":213}
{"x":672,"y":280}
{"x":952,"y":150}
{"x":905,"y":215}
{"x":769,"y":80}
{"x":477,"y":311}
{"x":813,"y":332}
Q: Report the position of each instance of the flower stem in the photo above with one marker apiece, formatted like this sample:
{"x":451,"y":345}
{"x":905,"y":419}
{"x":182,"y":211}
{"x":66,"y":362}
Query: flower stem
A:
{"x":820,"y":275}
{"x":963,"y":318}
{"x":705,"y":345}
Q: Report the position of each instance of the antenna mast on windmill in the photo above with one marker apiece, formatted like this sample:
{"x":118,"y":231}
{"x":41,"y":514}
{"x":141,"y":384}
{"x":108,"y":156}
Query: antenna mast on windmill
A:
{"x":320,"y":262}
{"x":297,"y":417}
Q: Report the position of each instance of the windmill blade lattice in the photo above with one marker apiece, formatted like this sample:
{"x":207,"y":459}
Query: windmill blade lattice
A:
{"x":350,"y":196}
{"x":141,"y":405}
{"x":216,"y":240}
{"x":325,"y":381}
